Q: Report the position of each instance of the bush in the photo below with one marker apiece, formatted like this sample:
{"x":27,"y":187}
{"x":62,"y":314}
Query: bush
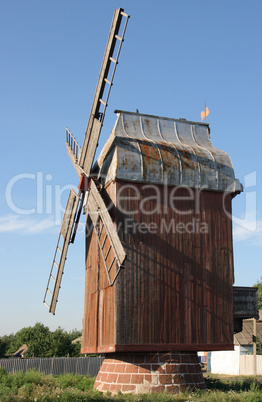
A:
{"x":2,"y":372}
{"x":4,"y":393}
{"x":33,"y":377}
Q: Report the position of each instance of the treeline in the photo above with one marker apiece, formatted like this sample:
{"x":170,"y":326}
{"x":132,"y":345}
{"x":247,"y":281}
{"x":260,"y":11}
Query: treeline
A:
{"x":258,"y":285}
{"x":41,"y":342}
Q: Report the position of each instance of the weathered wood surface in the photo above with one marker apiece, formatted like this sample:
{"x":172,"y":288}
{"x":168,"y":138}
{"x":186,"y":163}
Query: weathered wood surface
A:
{"x":176,"y":289}
{"x":64,"y":238}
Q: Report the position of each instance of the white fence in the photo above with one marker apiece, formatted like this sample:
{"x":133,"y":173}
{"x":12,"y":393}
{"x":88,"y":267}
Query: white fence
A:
{"x":234,"y":363}
{"x":246,"y":365}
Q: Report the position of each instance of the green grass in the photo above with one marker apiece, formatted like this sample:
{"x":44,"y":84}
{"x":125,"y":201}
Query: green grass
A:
{"x":36,"y":386}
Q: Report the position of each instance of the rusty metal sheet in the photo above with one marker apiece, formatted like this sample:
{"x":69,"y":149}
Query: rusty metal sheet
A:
{"x":157,"y":150}
{"x":108,"y":161}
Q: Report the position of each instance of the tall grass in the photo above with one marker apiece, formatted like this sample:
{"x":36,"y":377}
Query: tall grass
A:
{"x":36,"y":386}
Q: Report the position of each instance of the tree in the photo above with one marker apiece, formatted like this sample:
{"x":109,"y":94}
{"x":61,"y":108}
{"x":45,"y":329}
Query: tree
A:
{"x":258,"y":285}
{"x":36,"y":338}
{"x":5,"y":342}
{"x":41,"y":342}
{"x":3,"y":348}
{"x":60,"y":344}
{"x":76,"y":346}
{"x":74,"y":334}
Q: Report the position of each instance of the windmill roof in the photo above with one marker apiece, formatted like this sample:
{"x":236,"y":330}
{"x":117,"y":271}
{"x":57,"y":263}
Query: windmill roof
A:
{"x":152,"y":149}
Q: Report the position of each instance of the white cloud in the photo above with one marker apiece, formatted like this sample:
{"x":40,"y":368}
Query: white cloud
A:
{"x":21,"y":224}
{"x":251,"y":232}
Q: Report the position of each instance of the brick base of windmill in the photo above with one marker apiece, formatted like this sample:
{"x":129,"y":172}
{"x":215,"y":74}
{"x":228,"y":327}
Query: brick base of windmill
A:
{"x":150,"y":373}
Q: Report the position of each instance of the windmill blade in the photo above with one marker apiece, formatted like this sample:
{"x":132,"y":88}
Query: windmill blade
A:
{"x":68,"y":227}
{"x":104,"y":84}
{"x":111,"y":248}
{"x":74,"y":151}
{"x":82,"y":160}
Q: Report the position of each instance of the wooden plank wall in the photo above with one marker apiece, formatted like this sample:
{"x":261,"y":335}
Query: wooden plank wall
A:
{"x":176,"y":288}
{"x":99,"y":327}
{"x":175,"y":291}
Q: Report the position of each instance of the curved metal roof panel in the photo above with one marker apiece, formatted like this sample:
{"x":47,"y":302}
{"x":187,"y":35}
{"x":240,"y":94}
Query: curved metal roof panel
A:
{"x":157,"y":150}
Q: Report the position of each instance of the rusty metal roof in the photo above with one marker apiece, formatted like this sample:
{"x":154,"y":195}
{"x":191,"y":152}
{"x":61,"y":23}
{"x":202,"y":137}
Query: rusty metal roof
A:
{"x":158,"y":150}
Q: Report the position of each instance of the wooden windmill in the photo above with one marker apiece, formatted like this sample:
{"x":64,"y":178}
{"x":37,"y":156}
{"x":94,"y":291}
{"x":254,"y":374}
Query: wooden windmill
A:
{"x":159,"y":259}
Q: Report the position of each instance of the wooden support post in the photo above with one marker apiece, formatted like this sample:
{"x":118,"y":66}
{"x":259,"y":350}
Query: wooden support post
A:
{"x":255,"y":346}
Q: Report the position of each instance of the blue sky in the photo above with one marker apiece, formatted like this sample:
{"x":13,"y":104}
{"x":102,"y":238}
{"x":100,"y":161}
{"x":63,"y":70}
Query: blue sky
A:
{"x":178,"y":54}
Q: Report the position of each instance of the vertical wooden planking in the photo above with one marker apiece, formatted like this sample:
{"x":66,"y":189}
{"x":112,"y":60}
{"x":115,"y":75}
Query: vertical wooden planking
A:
{"x":175,"y":289}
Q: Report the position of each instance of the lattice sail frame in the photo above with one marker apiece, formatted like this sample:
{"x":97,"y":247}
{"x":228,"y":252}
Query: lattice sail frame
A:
{"x":64,"y":238}
{"x":111,"y":248}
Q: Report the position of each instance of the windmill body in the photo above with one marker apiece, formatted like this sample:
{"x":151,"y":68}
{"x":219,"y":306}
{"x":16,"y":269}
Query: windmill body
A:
{"x":168,"y":191}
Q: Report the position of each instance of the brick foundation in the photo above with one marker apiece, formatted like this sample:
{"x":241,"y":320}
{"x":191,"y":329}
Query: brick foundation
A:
{"x":150,"y":372}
